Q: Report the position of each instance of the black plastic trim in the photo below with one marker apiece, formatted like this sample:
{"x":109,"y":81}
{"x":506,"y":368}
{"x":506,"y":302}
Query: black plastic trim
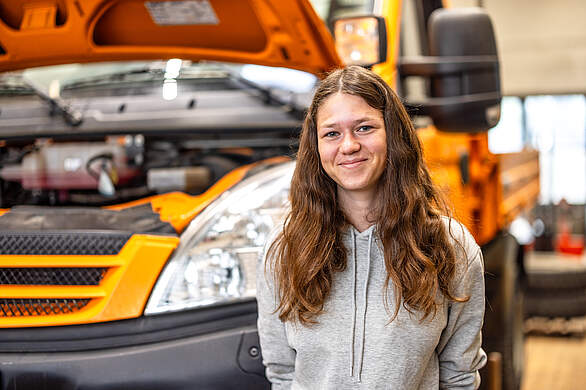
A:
{"x":217,"y":360}
{"x":139,"y":331}
{"x":439,"y":66}
{"x":52,"y":276}
{"x":61,"y":243}
{"x":83,"y":220}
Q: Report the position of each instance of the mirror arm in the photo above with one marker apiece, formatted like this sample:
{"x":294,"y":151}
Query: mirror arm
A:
{"x":427,"y":66}
{"x":461,"y":99}
{"x":432,"y":107}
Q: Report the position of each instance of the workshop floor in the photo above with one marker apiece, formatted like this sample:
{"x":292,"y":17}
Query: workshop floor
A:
{"x":555,"y":363}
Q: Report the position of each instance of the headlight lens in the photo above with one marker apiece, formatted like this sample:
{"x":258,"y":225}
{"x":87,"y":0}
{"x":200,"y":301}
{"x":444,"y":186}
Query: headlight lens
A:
{"x":216,"y":259}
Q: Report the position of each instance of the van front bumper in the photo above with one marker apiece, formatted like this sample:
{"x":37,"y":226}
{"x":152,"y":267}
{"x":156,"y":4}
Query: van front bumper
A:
{"x":226,"y":356}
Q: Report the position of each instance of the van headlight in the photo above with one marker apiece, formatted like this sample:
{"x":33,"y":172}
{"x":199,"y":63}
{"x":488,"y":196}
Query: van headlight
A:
{"x":216,"y":259}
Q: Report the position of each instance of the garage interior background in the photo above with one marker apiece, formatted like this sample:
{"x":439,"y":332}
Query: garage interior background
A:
{"x":542,"y":46}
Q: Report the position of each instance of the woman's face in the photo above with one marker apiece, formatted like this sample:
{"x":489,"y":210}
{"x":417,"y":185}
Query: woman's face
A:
{"x":351,"y":143}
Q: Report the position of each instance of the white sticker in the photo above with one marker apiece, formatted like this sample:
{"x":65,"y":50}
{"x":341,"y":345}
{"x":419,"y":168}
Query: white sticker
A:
{"x":177,"y":13}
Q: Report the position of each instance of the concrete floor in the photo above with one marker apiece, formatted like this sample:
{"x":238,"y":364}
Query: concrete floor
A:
{"x":555,"y":363}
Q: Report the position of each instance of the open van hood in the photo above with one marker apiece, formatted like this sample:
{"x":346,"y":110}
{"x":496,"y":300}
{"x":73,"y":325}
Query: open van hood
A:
{"x":265,"y":32}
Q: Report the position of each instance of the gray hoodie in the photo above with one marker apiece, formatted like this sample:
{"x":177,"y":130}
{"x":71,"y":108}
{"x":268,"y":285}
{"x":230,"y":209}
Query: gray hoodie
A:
{"x":354,"y":346}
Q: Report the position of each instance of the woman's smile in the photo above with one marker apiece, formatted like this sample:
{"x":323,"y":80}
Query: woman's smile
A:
{"x":352,"y":163}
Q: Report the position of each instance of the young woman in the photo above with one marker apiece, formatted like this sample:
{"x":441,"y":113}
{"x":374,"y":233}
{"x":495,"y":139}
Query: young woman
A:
{"x":368,"y":284}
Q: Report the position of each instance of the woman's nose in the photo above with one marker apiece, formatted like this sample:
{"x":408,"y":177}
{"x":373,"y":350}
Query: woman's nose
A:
{"x":349,"y":144}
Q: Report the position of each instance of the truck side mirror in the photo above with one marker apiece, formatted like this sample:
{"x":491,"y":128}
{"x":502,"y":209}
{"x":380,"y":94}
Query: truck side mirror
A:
{"x":463,"y":69}
{"x":361,"y":40}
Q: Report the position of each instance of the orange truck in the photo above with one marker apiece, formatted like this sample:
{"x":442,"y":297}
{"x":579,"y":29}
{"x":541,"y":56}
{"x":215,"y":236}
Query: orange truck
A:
{"x":146,"y":149}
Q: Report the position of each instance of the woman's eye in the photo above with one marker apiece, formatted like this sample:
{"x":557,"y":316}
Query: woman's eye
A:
{"x":364,"y":128}
{"x":330,"y":134}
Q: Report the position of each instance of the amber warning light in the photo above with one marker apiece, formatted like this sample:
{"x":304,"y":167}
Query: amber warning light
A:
{"x":361,"y":40}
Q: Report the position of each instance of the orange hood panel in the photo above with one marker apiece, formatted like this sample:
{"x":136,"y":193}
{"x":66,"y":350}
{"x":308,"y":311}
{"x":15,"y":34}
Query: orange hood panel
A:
{"x":264,"y":32}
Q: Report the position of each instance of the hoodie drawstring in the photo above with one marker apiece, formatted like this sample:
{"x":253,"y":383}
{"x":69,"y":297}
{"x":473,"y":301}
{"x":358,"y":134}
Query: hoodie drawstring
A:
{"x":354,"y":266}
{"x":364,"y":310}
{"x":354,"y":308}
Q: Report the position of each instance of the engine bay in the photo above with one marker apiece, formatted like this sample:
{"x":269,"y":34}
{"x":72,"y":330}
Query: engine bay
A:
{"x":119,"y":168}
{"x":102,"y":139}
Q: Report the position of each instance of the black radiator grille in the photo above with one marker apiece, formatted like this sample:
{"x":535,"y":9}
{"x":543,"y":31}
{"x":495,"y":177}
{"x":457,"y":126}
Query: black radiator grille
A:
{"x":32,"y":307}
{"x":52,"y":276}
{"x":61,"y":243}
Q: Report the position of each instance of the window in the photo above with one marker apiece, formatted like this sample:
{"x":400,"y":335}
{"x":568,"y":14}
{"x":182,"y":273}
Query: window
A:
{"x":555,"y":125}
{"x":508,"y":135}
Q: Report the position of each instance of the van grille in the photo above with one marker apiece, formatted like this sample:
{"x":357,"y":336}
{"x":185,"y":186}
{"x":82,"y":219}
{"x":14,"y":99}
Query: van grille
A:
{"x":61,"y":243}
{"x":39,"y":307}
{"x":52,"y":276}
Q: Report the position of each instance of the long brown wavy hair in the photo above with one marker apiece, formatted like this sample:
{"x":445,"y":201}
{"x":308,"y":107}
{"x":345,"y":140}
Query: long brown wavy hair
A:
{"x":419,"y":257}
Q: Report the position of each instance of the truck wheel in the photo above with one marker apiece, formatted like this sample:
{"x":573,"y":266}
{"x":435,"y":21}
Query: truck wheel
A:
{"x":555,"y":280}
{"x":510,"y":342}
{"x":503,"y":322}
{"x":569,"y":302}
{"x":513,"y":343}
{"x":552,"y":293}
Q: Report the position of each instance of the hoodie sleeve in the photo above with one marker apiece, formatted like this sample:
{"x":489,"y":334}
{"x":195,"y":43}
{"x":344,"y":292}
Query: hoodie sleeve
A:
{"x":278,"y":357}
{"x":459,"y":350}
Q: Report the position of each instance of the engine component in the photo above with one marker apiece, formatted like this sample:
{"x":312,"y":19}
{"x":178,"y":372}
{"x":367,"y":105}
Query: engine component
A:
{"x":179,"y":179}
{"x":70,"y":166}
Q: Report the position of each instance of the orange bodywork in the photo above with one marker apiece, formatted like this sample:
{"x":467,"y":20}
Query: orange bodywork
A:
{"x":519,"y":177}
{"x":473,"y":195}
{"x":264,"y":32}
{"x":179,"y":208}
{"x":388,"y":70}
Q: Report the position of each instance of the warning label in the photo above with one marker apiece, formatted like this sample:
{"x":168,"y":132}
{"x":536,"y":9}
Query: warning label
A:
{"x":177,"y":13}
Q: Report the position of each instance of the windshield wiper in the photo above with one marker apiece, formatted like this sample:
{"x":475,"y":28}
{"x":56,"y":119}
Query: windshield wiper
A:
{"x":72,"y":116}
{"x":112,"y":77}
{"x":11,"y":90}
{"x":14,"y":85}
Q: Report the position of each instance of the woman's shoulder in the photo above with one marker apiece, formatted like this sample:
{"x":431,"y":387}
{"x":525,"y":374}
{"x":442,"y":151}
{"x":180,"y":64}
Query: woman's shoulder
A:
{"x":467,"y":251}
{"x":458,"y":232}
{"x":265,"y":263}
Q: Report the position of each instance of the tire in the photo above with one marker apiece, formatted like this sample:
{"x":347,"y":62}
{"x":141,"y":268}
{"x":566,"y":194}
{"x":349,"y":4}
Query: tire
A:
{"x":569,"y":302}
{"x":510,"y":344}
{"x":556,"y":293}
{"x":575,"y":279}
{"x":503,"y":324}
{"x":514,"y":343}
